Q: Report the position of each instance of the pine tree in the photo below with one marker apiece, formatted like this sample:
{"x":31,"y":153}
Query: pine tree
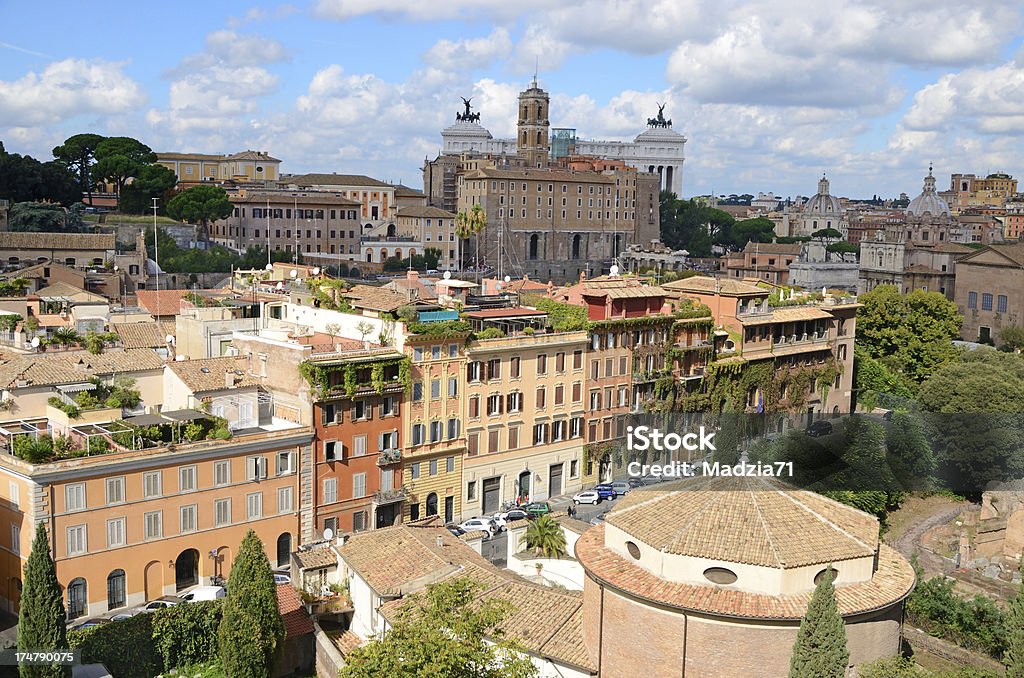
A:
{"x":251,"y":628}
{"x":42,"y":623}
{"x":1014,"y":655}
{"x":820,"y":650}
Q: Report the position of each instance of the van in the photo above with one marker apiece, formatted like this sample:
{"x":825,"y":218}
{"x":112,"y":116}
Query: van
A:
{"x":204,"y":593}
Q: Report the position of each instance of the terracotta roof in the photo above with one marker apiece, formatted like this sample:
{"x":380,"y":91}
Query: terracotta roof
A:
{"x":347,"y":642}
{"x":63,"y":289}
{"x":624,"y":291}
{"x":786,"y":314}
{"x":946,"y":248}
{"x":207,"y":374}
{"x":188,"y":156}
{"x":69,"y":368}
{"x":375,"y":298}
{"x":541,"y":175}
{"x":252,"y":155}
{"x":57,"y":241}
{"x":504,"y":313}
{"x":773,"y":248}
{"x":285,"y":198}
{"x":526,"y":285}
{"x":293,"y":613}
{"x":333,"y":180}
{"x":892,"y":581}
{"x":425,"y":211}
{"x":142,"y":335}
{"x":161,"y":302}
{"x":921,"y":268}
{"x":317,"y":557}
{"x":704,"y":284}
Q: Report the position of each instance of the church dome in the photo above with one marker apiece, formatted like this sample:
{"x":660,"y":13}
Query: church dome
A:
{"x":929,"y":201}
{"x":823,"y":203}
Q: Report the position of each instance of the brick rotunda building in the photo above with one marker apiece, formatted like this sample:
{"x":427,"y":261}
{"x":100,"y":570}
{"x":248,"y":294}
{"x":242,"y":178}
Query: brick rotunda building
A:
{"x":712,"y":580}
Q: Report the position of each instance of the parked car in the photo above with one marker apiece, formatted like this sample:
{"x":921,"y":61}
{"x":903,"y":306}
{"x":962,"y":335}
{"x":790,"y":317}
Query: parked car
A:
{"x":161,"y":603}
{"x":597,"y":520}
{"x":91,"y":622}
{"x":537,"y":508}
{"x":456,"y":530}
{"x":819,"y":428}
{"x":605,"y":490}
{"x":587,"y":497}
{"x":635,"y":482}
{"x":621,"y":487}
{"x":482,"y":524}
{"x":651,"y":480}
{"x":209,"y":592}
{"x":513,"y":514}
{"x":121,"y":616}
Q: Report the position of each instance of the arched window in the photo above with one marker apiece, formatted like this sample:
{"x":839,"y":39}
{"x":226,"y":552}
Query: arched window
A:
{"x":576,"y":246}
{"x":432,"y":504}
{"x":77,"y":598}
{"x":284,"y":549}
{"x":534,"y":245}
{"x":115,"y":590}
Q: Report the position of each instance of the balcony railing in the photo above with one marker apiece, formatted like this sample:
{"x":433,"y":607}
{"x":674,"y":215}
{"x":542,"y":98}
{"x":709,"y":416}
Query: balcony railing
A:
{"x":387,"y":457}
{"x":390,"y":496}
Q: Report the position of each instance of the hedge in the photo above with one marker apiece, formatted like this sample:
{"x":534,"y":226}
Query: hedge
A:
{"x":125,"y":647}
{"x":187,"y":634}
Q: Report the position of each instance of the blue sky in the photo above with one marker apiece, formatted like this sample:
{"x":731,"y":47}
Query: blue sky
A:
{"x":769,"y":93}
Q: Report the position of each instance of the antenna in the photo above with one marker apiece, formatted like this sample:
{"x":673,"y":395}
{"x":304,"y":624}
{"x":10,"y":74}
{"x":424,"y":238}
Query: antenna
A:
{"x":536,"y":67}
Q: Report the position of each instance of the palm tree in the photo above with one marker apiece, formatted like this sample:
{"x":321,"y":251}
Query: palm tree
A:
{"x":66,"y":336}
{"x":462,"y":232}
{"x":470,"y":225}
{"x":544,"y":535}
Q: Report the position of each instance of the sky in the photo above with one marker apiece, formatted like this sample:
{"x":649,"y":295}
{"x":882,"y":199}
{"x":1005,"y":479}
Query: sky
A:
{"x":769,"y":93}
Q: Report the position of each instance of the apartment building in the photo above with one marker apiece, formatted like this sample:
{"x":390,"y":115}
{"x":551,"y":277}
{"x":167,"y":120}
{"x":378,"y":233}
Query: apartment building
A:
{"x":245,"y":167}
{"x":433,"y":425}
{"x":525,"y":422}
{"x":144,"y":515}
{"x":763,"y":261}
{"x":432,"y":227}
{"x":376,"y":199}
{"x":988,"y":284}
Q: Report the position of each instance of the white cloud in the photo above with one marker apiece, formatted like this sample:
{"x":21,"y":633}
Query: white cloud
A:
{"x":470,"y":53}
{"x":244,"y":50}
{"x":66,"y":89}
{"x":989,"y":101}
{"x":417,"y":10}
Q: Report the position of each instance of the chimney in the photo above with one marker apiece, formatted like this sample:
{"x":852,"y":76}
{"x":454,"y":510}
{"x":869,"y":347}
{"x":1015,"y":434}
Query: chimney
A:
{"x":229,"y":378}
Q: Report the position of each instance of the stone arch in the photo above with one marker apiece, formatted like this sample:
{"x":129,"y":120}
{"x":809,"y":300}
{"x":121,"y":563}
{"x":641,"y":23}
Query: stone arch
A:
{"x":154,"y":580}
{"x":576,"y":241}
{"x":284,"y":549}
{"x":186,"y":569}
{"x":432,"y":504}
{"x":534,"y":246}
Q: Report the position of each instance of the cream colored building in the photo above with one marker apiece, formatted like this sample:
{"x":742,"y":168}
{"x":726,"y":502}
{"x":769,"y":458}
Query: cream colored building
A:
{"x":244,"y":167}
{"x":525,"y":417}
{"x":432,"y":227}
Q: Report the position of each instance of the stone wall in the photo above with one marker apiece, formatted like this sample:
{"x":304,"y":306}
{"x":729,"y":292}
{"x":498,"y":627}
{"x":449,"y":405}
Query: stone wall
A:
{"x":329,"y":661}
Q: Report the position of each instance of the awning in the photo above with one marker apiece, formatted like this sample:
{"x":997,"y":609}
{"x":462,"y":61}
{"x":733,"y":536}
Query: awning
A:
{"x":185,"y":415}
{"x":146,"y":420}
{"x":76,"y":388}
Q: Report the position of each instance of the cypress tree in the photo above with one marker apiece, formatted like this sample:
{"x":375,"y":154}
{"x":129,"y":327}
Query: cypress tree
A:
{"x":820,"y":649}
{"x":251,"y":628}
{"x":1014,"y":655}
{"x":42,"y":623}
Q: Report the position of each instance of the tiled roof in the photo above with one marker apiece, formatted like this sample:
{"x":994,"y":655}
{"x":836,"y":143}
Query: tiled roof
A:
{"x":786,"y":314}
{"x":623,"y":291}
{"x":252,"y":155}
{"x":207,"y":374}
{"x":289,"y":198}
{"x":333,"y":180}
{"x":57,"y":241}
{"x":142,"y":335}
{"x":375,"y":298}
{"x":704,"y":284}
{"x":296,"y":620}
{"x":347,"y":642}
{"x":317,"y":557}
{"x":425,"y":211}
{"x":526,"y":285}
{"x":1014,"y":252}
{"x":161,"y":302}
{"x":69,"y":368}
{"x":63,"y":289}
{"x":891,"y":582}
{"x":753,"y":521}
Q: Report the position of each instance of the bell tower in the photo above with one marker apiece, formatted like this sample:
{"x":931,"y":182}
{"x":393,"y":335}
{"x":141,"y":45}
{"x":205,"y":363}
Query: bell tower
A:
{"x":533,"y":143}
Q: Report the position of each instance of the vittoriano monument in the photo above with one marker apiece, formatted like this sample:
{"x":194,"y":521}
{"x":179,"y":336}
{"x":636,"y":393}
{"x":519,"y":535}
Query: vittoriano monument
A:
{"x":660,"y":121}
{"x":468,"y":115}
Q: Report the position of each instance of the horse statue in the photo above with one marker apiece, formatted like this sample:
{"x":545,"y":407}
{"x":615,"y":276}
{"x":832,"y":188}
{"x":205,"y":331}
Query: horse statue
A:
{"x":468,"y":116}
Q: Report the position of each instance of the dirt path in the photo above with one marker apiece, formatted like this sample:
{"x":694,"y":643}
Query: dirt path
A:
{"x":916,"y":517}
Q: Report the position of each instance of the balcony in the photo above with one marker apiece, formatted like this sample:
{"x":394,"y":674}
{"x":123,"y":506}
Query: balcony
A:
{"x":388,"y":457}
{"x":390,"y":496}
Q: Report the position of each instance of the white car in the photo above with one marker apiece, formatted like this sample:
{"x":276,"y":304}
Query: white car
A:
{"x":204,"y":593}
{"x":160,"y":603}
{"x":511,"y":515}
{"x":587,"y":497}
{"x":480,"y":525}
{"x":282,"y":578}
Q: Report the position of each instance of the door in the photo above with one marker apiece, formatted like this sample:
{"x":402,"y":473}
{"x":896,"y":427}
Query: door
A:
{"x":555,"y":480}
{"x":155,"y":580}
{"x":284,"y":550}
{"x":186,"y":569}
{"x":449,"y":509}
{"x":115,"y":590}
{"x":492,"y":495}
{"x":386,"y":515}
{"x":985,"y":335}
{"x":76,"y":598}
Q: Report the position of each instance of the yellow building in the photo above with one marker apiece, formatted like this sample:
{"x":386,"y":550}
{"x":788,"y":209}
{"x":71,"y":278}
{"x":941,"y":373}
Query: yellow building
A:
{"x":244,"y":167}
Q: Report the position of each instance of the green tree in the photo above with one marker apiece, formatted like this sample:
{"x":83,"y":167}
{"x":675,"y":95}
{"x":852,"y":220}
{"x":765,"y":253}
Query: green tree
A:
{"x":896,"y":666}
{"x":470,"y":225}
{"x":152,"y":181}
{"x":1012,"y":337}
{"x":42,"y":621}
{"x":843,"y":247}
{"x":911,"y":334}
{"x":118,"y":159}
{"x":544,"y":535}
{"x":1013,"y":657}
{"x":200,"y":204}
{"x":827,"y":234}
{"x":45,"y":218}
{"x":251,"y":628}
{"x":77,"y":154}
{"x":909,"y":452}
{"x":25,"y":179}
{"x":760,"y":229}
{"x":820,"y":650}
{"x":443,"y":632}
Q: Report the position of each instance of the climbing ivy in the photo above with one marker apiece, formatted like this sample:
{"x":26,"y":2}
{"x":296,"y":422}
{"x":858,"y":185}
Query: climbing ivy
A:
{"x":318,"y":376}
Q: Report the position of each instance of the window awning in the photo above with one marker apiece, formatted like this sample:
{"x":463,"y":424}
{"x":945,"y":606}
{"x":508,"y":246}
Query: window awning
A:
{"x":76,"y":388}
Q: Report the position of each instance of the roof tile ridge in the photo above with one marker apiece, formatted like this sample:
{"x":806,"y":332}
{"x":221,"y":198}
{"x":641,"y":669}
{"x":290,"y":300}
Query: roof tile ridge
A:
{"x":828,"y":522}
{"x":764,"y":524}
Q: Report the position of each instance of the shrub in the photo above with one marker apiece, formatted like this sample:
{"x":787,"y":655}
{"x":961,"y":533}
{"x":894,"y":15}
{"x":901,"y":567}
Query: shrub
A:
{"x":976,"y":623}
{"x":490,"y":333}
{"x":125,"y":647}
{"x":34,"y":451}
{"x":187,"y":634}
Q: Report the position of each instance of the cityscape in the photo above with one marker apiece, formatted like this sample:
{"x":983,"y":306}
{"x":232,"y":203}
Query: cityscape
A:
{"x":529,"y":365}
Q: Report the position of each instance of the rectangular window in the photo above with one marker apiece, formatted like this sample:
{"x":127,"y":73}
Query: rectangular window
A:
{"x":417,"y":391}
{"x":513,"y":437}
{"x":359,"y":521}
{"x":221,"y":473}
{"x":76,"y":540}
{"x":15,"y":538}
{"x":473,"y":443}
{"x":609,"y":368}
{"x":15,"y":492}
{"x":74,"y":497}
{"x":453,"y":387}
{"x":358,"y":485}
{"x":389,"y":407}
{"x":494,"y":404}
{"x":255,"y":468}
{"x":558,"y":430}
{"x":152,"y":484}
{"x":187,"y":518}
{"x":474,"y":407}
{"x":453,"y":429}
{"x":471,"y":490}
{"x":1001,"y":303}
{"x":577,"y":392}
{"x":435,"y":352}
{"x":494,"y":368}
{"x":187,"y":479}
{"x":285,"y":500}
{"x":115,"y":490}
{"x":541,"y":398}
{"x":433,"y":467}
{"x":115,"y":533}
{"x":221,"y":512}
{"x":418,"y":434}
{"x":595,"y":369}
{"x":154,"y":524}
{"x":330,"y":490}
{"x":574,"y":468}
{"x":542,"y":364}
{"x":254,"y":505}
{"x":435,"y":389}
{"x":560,"y":362}
{"x":473,"y":371}
{"x":453,"y":350}
{"x":285,"y":463}
{"x":414,"y":471}
{"x":493,"y":440}
{"x":986,"y":301}
{"x":577,"y":360}
{"x":417,"y":354}
{"x":972,"y":300}
{"x":436,"y":431}
{"x":540,"y":434}
{"x":513,"y":367}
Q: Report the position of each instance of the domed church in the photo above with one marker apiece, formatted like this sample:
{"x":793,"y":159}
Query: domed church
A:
{"x":712,"y":580}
